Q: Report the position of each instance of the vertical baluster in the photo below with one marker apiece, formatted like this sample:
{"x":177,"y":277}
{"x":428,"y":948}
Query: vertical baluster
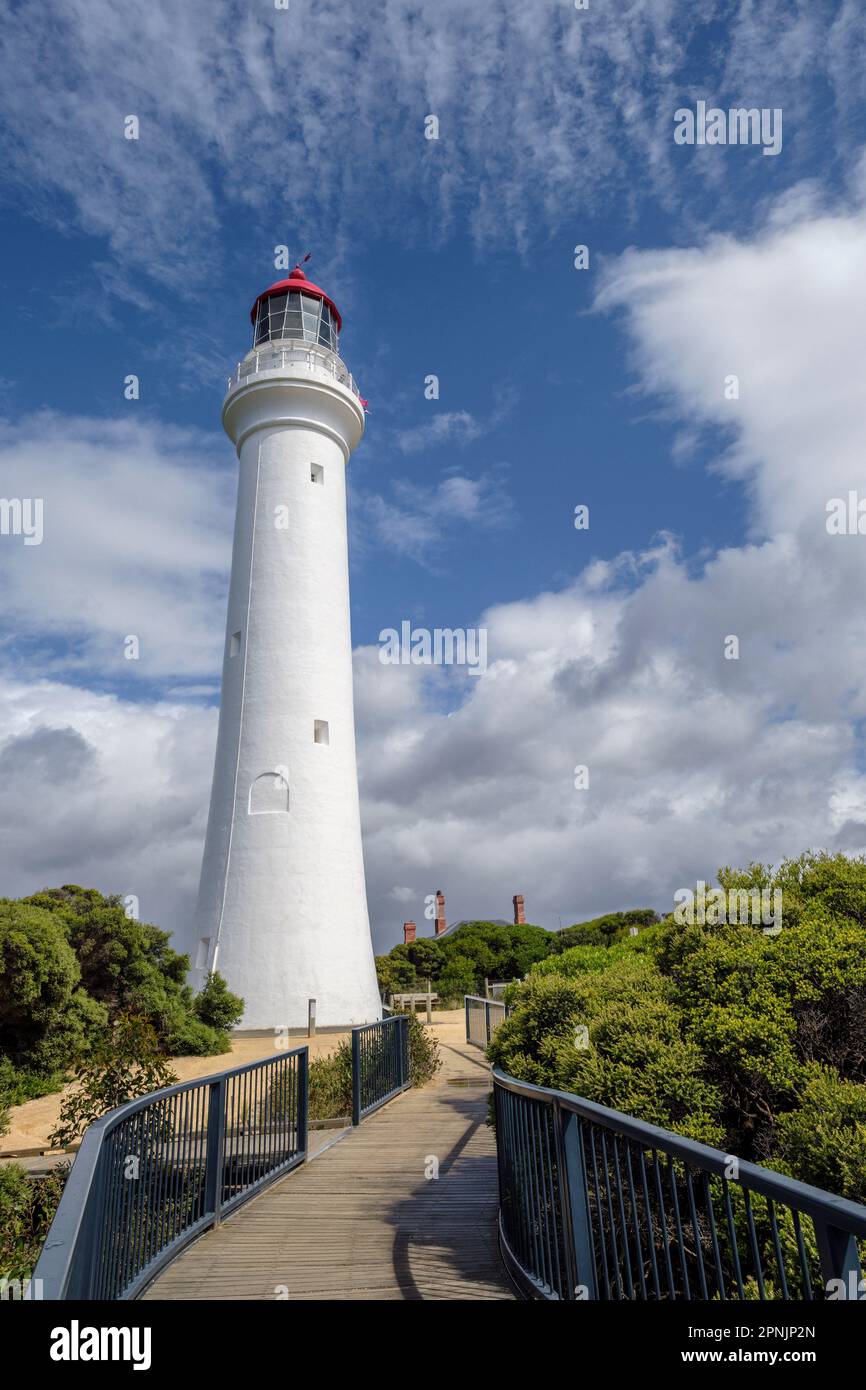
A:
{"x":599,"y":1207}
{"x":714,"y":1240}
{"x":650,"y":1225}
{"x":624,"y":1226}
{"x":732,"y":1236}
{"x":678,"y":1226}
{"x":804,"y":1262}
{"x":753,"y":1241}
{"x":636,"y":1217}
{"x":663,"y":1220}
{"x":774,"y":1230}
{"x":699,"y":1247}
{"x":613,"y":1240}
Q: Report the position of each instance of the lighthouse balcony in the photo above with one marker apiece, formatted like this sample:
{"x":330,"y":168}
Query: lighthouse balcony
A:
{"x":287,"y":356}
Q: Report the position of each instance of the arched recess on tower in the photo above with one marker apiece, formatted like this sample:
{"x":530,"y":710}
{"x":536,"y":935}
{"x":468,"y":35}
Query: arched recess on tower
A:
{"x":269,"y":795}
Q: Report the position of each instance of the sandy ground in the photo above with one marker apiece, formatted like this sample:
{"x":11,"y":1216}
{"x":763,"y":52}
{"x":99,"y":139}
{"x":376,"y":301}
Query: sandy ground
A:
{"x":31,"y":1123}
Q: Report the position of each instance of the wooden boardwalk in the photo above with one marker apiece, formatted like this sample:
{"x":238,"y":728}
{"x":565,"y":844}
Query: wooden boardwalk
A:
{"x":362,"y":1220}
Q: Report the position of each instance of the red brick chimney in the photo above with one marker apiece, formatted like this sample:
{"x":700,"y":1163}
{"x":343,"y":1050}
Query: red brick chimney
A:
{"x":408,"y":932}
{"x":440,"y":912}
{"x":519,"y":917}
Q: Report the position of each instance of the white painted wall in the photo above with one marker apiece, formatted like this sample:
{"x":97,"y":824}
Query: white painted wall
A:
{"x":282,"y":899}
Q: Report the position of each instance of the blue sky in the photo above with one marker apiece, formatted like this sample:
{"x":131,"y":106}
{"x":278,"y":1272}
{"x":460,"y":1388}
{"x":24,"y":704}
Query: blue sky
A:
{"x":557,"y":387}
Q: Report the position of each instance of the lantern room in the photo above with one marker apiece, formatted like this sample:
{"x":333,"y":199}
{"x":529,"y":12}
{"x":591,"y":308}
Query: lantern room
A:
{"x":297,"y":309}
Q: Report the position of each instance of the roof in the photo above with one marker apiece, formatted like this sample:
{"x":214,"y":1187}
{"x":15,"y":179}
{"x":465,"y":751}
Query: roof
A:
{"x":299,"y":282}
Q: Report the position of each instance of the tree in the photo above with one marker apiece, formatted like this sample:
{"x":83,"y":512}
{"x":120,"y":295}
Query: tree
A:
{"x":45,"y":1014}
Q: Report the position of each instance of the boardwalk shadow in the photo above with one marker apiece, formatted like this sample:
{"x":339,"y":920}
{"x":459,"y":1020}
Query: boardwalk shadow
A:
{"x":445,"y":1232}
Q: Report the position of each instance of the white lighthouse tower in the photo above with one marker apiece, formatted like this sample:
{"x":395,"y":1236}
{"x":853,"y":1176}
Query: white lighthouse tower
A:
{"x":282,"y":909}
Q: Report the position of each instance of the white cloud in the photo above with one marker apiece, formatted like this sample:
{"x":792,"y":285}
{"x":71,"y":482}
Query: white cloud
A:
{"x":106,"y":793}
{"x":694,"y":760}
{"x":137,"y":527}
{"x":421,"y":521}
{"x":543,"y":109}
{"x":446,"y":427}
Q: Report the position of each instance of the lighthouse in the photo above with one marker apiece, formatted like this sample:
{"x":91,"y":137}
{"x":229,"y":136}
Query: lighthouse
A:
{"x":282,"y":906}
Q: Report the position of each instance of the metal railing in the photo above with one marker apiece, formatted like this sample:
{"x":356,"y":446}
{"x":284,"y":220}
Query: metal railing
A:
{"x":597,"y":1205}
{"x":483,"y":1017}
{"x":273,"y":359}
{"x":380,"y":1064}
{"x":153,"y":1174}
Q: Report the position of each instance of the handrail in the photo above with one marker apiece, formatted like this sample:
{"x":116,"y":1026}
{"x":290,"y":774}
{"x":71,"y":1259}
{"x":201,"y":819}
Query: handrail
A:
{"x":154,"y":1173}
{"x":595,"y":1204}
{"x":312,"y":355}
{"x":380,"y":1064}
{"x":495,"y":1013}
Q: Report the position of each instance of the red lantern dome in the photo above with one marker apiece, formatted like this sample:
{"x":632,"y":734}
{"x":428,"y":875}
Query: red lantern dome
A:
{"x":296,"y":308}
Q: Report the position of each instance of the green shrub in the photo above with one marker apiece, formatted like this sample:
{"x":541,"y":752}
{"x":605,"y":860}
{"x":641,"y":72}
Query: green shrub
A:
{"x":27,"y":1207}
{"x":216,"y":1006}
{"x":424,"y":1058}
{"x":331,"y":1084}
{"x":603,"y":931}
{"x":754,"y":1043}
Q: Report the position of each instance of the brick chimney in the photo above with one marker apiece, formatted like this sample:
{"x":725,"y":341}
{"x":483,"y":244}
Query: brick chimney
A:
{"x":519,"y":917}
{"x":409,"y":930}
{"x":440,"y":912}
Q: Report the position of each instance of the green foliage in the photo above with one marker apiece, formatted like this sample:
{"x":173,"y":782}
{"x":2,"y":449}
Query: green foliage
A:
{"x":457,"y":964}
{"x":71,"y":962}
{"x":216,"y":1006}
{"x":604,"y":931}
{"x":823,"y":1141}
{"x":755,"y":1043}
{"x":331,"y":1077}
{"x":125,"y":1062}
{"x":424,"y":1059}
{"x":27,"y":1207}
{"x":331,"y":1084}
{"x":45,"y":1014}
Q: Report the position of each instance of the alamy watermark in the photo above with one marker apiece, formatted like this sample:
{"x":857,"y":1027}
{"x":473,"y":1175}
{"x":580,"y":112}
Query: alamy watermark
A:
{"x":22,"y":516}
{"x":738,"y":126}
{"x":438,"y":646}
{"x":717,"y":907}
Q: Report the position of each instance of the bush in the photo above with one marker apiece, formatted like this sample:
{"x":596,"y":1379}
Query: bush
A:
{"x":424,"y":1059}
{"x":331,"y":1084}
{"x":604,"y":931}
{"x":27,"y":1207}
{"x":458,"y":963}
{"x":216,"y":1006}
{"x":125,"y":1063}
{"x":753,"y":1043}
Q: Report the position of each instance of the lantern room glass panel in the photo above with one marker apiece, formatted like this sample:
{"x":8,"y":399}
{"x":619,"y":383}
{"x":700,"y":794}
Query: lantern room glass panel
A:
{"x":297,"y":316}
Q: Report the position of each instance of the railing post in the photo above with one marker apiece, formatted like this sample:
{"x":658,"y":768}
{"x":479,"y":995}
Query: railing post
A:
{"x":83,"y":1282}
{"x":215,"y":1149}
{"x":466,"y":1007}
{"x":574,"y":1204}
{"x":487,"y":1018}
{"x":839,"y":1257}
{"x":303,"y":1098}
{"x":356,"y":1076}
{"x":403,"y":1047}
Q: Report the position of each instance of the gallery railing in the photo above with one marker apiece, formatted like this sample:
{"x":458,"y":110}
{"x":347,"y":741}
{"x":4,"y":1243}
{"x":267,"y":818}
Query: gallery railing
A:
{"x":597,"y":1205}
{"x":153,"y":1174}
{"x":483,"y":1017}
{"x":380,"y":1064}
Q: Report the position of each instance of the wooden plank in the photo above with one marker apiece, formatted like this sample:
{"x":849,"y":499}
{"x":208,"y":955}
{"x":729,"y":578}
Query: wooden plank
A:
{"x":369,"y":1218}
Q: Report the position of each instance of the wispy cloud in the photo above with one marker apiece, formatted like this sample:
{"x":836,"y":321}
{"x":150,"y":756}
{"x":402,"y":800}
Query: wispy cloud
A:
{"x":422,"y":522}
{"x":585,"y":97}
{"x":447,"y":427}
